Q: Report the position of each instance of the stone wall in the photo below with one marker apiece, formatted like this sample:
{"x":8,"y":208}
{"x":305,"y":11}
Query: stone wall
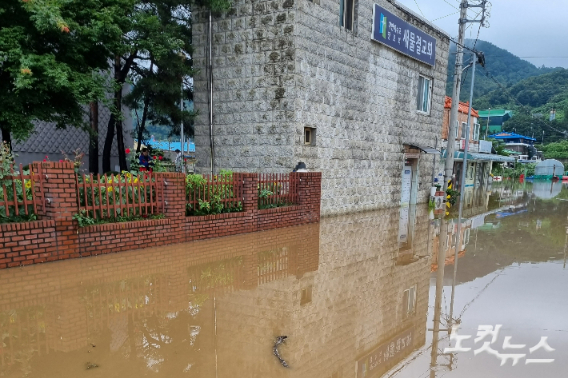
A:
{"x":283,"y":65}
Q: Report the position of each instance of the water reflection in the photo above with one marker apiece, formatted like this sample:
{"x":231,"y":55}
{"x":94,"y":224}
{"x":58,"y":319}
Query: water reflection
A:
{"x":344,"y":292}
{"x":511,"y":272}
{"x":364,"y":295}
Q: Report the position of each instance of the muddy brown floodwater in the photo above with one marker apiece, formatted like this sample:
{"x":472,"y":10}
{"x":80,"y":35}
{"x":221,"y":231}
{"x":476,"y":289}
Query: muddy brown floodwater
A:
{"x":355,"y":295}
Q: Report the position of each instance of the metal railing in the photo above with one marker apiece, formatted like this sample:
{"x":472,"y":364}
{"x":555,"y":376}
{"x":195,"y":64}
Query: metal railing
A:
{"x":21,"y":193}
{"x":277,"y":189}
{"x":114,"y":196}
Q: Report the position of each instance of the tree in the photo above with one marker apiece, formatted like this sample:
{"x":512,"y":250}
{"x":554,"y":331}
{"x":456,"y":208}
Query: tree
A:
{"x":47,"y":60}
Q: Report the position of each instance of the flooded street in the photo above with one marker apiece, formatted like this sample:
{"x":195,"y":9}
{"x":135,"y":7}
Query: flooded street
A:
{"x":355,"y":295}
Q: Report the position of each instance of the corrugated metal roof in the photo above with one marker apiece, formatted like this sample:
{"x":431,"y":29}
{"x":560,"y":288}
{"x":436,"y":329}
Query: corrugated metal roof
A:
{"x":494,"y":113}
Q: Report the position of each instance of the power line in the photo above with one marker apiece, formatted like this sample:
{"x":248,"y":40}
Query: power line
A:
{"x":418,"y":6}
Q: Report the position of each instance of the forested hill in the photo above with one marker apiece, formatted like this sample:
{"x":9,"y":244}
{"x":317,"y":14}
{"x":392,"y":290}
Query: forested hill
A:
{"x":532,"y":99}
{"x":505,"y":67}
{"x":549,"y":90}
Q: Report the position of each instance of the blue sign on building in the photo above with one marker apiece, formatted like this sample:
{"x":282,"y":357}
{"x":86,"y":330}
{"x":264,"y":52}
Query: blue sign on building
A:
{"x":403,"y":37}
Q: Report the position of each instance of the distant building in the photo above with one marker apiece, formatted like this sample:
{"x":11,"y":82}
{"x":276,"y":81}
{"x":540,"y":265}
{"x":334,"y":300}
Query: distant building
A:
{"x":480,"y":156}
{"x":515,"y":142}
{"x":497,"y":117}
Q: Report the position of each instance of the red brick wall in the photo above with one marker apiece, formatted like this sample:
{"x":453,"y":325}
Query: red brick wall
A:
{"x":58,"y":236}
{"x":27,"y":243}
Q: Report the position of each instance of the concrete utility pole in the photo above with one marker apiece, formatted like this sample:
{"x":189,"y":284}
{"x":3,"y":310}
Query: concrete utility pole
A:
{"x":453,"y":127}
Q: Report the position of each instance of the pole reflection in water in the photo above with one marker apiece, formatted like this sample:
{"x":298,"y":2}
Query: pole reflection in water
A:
{"x":345,"y":292}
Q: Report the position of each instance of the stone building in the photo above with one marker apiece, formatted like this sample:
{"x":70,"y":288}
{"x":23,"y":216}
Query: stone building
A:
{"x":337,"y":84}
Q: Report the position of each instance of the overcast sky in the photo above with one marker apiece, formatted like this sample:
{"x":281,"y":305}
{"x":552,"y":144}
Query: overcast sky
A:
{"x":535,"y":30}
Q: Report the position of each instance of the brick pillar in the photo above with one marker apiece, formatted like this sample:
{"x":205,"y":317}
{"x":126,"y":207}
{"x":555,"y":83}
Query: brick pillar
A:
{"x":250,"y":197}
{"x":60,"y":204}
{"x":309,"y":193}
{"x":172,"y":192}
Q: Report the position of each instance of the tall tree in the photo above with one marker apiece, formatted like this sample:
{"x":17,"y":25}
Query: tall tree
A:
{"x":159,"y":36}
{"x":53,"y":56}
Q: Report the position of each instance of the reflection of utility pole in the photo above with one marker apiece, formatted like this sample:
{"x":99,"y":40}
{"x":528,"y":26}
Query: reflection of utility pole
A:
{"x":442,"y":248}
{"x":477,"y":57}
{"x":487,"y":128}
{"x":565,"y":247}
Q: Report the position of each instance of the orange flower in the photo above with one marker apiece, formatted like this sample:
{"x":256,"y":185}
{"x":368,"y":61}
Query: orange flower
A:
{"x":26,"y":71}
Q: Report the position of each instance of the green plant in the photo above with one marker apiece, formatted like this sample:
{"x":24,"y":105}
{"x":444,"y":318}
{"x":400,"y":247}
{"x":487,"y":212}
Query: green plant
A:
{"x":83,"y":219}
{"x":208,"y":198}
{"x":452,"y":196}
{"x":13,"y":189}
{"x":431,"y":204}
{"x":136,"y":188}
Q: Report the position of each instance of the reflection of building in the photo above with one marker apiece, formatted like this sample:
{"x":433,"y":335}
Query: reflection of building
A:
{"x":339,"y":291}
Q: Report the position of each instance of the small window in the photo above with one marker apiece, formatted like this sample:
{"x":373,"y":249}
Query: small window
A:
{"x":424,"y":91}
{"x":347,"y":13}
{"x":409,"y":301}
{"x":463,"y":129}
{"x":476,"y":129}
{"x":309,"y":136}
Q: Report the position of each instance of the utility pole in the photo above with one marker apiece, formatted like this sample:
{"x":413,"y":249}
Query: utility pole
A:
{"x":453,"y":127}
{"x":487,"y":128}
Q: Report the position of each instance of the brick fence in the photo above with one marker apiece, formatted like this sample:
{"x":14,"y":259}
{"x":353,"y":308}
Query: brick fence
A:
{"x":57,"y":236}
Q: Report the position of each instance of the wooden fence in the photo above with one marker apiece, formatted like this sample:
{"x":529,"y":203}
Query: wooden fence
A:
{"x":21,"y":194}
{"x":215,"y":194}
{"x":119,"y":195}
{"x":277,"y":189}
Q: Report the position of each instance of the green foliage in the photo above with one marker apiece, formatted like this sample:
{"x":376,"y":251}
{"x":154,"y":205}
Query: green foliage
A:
{"x":504,"y":66}
{"x":267,"y":198}
{"x":499,"y":147}
{"x":49,"y":61}
{"x":453,"y":196}
{"x":205,"y":199}
{"x":12,"y":188}
{"x":557,"y":150}
{"x":83,"y":219}
{"x":106,"y":192}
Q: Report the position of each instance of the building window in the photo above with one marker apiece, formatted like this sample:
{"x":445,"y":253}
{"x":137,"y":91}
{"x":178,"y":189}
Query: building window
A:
{"x":463,"y":128}
{"x":409,"y":301}
{"x":309,"y":136}
{"x":424,"y":94}
{"x":476,"y":129}
{"x":347,"y":13}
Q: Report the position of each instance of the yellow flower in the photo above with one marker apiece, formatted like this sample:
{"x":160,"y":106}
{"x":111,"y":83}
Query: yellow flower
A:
{"x":448,"y":196}
{"x":447,"y":213}
{"x":109,"y":180}
{"x":136,"y":180}
{"x":28,"y":184}
{"x":109,"y":189}
{"x":448,"y":205}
